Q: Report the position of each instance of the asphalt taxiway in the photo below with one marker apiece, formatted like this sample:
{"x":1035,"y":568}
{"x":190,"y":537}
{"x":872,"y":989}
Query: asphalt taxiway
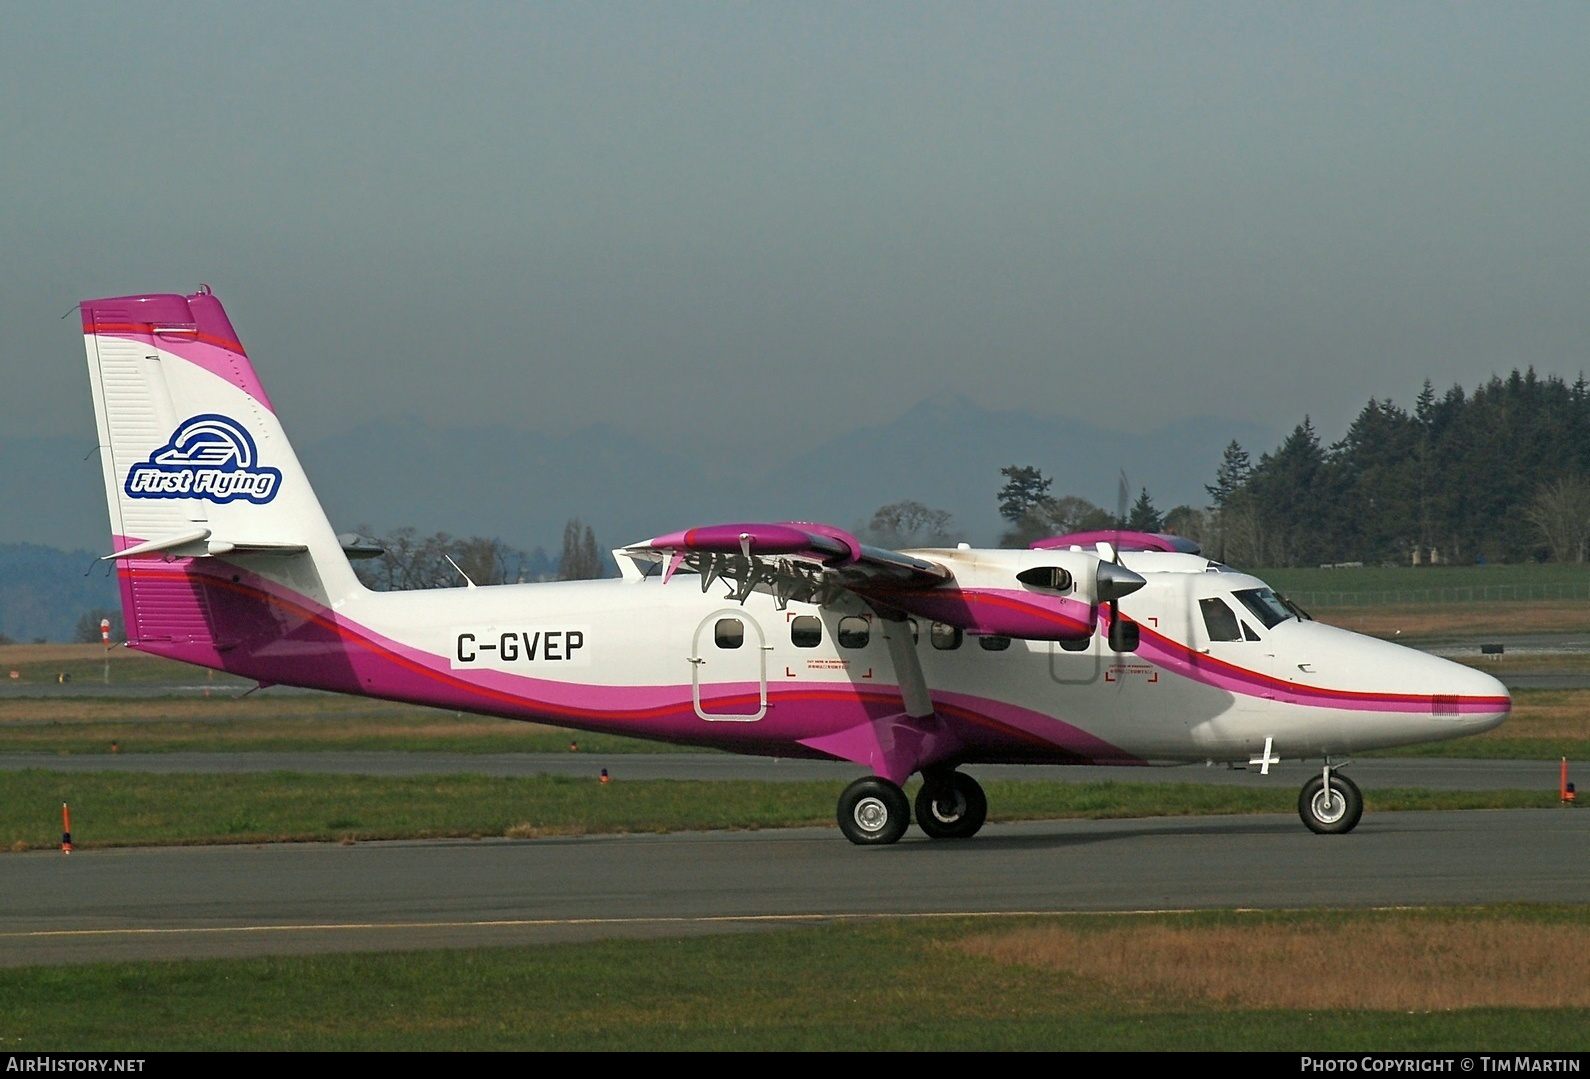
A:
{"x":295,"y":898}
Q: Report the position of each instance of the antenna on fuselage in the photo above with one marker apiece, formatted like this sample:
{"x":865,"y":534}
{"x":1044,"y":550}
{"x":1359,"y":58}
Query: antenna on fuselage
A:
{"x":461,"y":573}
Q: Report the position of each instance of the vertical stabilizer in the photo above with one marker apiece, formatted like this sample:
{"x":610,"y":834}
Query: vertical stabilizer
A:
{"x":197,"y":467}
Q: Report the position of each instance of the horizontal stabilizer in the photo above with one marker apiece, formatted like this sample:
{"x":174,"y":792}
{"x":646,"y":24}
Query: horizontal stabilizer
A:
{"x":198,"y":544}
{"x":162,"y":545}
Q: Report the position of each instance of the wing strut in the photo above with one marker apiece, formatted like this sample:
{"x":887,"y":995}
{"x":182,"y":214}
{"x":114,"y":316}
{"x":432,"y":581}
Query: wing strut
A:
{"x":907,"y":664}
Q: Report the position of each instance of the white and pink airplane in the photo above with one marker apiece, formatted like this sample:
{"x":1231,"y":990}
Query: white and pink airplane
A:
{"x":779,"y":639}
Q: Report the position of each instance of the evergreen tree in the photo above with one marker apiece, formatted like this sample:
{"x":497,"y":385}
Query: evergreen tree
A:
{"x":1025,"y":487}
{"x":1143,"y":516}
{"x":1284,"y":490}
{"x":1231,"y":476}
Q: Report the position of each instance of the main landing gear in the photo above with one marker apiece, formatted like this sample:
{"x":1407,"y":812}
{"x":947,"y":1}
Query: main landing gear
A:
{"x":951,"y":805}
{"x":1330,"y":803}
{"x":874,"y":811}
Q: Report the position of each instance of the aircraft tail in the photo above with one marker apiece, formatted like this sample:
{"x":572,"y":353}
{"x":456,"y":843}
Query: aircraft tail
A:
{"x":202,"y":484}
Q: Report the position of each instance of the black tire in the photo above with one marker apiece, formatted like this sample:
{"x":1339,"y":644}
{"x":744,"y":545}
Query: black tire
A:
{"x":951,"y":807}
{"x":1337,"y":816}
{"x":874,"y":812}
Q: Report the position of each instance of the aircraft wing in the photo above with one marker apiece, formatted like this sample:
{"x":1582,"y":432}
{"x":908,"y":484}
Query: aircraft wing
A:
{"x":791,"y":559}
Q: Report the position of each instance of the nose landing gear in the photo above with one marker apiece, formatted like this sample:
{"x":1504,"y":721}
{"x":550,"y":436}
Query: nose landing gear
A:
{"x":1330,"y":803}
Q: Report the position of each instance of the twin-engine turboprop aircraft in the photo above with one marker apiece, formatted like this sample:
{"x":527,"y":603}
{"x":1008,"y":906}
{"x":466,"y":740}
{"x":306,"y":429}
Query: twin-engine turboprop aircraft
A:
{"x":784,"y":639}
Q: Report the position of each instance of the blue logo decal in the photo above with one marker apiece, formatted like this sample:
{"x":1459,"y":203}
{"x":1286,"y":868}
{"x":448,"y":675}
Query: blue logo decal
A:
{"x":208,"y":457}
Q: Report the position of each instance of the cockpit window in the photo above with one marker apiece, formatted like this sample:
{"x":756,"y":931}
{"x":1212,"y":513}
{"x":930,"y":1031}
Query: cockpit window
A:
{"x":1265,"y":605}
{"x":1247,"y":632}
{"x":1219,"y":620}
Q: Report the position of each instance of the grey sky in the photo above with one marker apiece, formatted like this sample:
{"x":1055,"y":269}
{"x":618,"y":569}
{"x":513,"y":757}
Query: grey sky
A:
{"x":722,"y":223}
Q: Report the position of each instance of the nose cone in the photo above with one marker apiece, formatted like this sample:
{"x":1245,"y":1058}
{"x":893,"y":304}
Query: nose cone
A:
{"x":1402,"y":695}
{"x":1483,"y":701}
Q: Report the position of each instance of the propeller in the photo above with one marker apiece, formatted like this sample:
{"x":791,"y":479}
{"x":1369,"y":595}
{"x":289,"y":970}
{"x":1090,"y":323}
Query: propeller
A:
{"x":1114,"y":581}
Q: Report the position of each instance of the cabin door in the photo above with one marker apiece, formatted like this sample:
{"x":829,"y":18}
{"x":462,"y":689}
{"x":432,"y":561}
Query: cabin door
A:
{"x":728,"y":659}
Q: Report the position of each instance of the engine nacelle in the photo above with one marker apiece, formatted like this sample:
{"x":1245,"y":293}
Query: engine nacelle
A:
{"x":1033,"y":595}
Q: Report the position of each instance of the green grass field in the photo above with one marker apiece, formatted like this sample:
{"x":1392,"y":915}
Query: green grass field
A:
{"x":1273,"y":981}
{"x":137,"y":809}
{"x":44,"y":664}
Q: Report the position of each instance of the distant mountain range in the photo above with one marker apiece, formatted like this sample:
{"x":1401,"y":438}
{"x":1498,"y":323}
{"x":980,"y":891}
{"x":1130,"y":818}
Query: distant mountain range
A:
{"x":521,"y":486}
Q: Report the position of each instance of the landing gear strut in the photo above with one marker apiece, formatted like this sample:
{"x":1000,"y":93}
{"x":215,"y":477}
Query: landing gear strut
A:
{"x":950,"y":805}
{"x":873,"y":811}
{"x":1330,"y":803}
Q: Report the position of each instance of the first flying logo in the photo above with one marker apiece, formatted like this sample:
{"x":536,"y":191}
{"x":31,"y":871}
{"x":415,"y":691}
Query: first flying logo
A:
{"x":210,"y":457}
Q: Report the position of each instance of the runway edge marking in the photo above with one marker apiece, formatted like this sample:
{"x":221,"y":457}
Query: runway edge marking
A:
{"x":714,"y":919}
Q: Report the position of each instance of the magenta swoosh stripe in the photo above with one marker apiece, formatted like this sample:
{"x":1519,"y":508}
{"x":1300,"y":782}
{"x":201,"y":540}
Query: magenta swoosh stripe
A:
{"x":229,"y":364}
{"x":403,"y":672}
{"x":1180,"y":659}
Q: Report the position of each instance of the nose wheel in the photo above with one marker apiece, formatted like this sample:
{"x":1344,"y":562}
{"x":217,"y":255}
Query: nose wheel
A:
{"x":1330,"y":803}
{"x":951,"y":806}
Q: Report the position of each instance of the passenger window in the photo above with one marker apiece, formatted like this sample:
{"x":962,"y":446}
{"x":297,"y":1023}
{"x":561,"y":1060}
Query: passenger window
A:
{"x":729,"y":633}
{"x":1247,"y":632}
{"x":1053,"y":578}
{"x":1219,"y":621}
{"x":854,"y":632}
{"x":806,"y":631}
{"x":945,"y":638}
{"x":994,"y":643}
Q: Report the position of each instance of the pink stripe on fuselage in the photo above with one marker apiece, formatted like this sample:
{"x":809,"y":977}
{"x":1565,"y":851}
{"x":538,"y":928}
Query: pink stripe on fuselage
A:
{"x":389,"y":668}
{"x":1180,"y":659}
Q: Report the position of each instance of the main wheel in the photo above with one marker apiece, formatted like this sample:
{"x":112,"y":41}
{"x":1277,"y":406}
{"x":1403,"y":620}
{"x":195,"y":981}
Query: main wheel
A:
{"x":951,"y":807}
{"x":873,"y":811}
{"x":1333,"y":813}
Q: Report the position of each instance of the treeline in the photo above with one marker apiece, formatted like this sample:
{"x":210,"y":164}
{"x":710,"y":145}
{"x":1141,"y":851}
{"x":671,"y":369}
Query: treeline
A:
{"x":403,"y":560}
{"x":1497,"y":475}
{"x":1501,"y":474}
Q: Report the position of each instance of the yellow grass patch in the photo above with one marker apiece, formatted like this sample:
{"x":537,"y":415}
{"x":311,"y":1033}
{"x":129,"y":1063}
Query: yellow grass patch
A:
{"x":1547,"y":714}
{"x":1396,"y":965}
{"x":1461,"y":619}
